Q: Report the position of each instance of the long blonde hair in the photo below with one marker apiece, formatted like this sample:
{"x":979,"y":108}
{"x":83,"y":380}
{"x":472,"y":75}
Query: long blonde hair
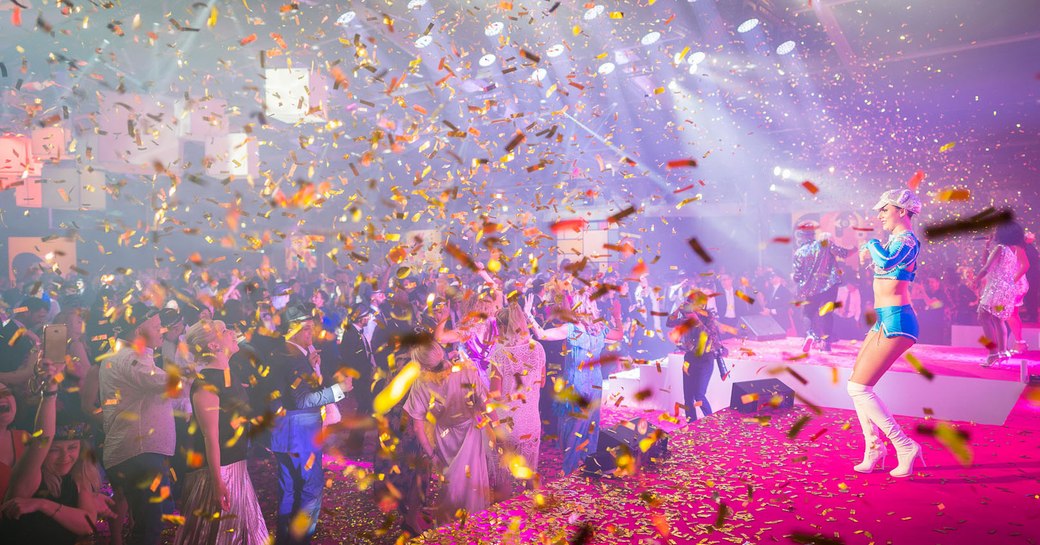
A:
{"x":84,"y":472}
{"x":513,"y":328}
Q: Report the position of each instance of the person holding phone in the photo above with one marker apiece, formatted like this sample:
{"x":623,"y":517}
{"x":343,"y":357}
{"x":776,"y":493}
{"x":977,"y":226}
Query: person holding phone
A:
{"x":51,"y":496}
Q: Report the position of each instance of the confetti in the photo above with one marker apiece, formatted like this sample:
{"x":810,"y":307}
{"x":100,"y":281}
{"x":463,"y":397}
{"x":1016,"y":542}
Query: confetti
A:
{"x":918,"y":366}
{"x":616,"y":218}
{"x":698,"y":249}
{"x":682,"y":163}
{"x":953,"y":194}
{"x":396,"y":389}
{"x":981,"y":221}
{"x":810,"y":187}
{"x":798,"y":426}
{"x":915,"y":181}
{"x":576,"y":225}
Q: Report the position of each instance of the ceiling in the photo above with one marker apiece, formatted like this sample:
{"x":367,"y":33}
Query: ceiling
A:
{"x":869,"y":94}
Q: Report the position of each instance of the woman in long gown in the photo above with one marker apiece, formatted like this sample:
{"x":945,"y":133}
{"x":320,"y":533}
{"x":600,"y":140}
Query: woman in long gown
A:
{"x":517,"y":373}
{"x":577,"y":404}
{"x":446,"y":403}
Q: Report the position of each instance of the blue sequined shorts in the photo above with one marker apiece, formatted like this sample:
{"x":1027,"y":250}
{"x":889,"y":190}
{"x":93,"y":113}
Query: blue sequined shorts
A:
{"x":897,"y":322}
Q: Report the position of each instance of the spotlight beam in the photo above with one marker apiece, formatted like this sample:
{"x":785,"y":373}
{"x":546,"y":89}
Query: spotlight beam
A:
{"x":654,"y":175}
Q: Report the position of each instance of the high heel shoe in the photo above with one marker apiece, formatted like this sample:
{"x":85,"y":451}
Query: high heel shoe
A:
{"x":993,"y":359}
{"x":871,"y":458}
{"x":906,"y":460}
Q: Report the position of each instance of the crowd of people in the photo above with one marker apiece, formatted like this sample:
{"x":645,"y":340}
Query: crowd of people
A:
{"x":166,"y":390}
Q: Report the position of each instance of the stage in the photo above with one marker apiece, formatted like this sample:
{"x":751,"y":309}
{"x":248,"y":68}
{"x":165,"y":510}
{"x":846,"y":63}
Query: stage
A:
{"x":958,"y":389}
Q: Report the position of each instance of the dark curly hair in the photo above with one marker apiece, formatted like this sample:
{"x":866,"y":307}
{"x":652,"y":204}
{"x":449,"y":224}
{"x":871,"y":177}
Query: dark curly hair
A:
{"x":1010,"y":233}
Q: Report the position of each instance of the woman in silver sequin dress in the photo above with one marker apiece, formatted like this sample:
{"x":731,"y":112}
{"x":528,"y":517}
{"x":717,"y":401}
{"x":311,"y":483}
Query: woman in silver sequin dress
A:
{"x":999,"y":291}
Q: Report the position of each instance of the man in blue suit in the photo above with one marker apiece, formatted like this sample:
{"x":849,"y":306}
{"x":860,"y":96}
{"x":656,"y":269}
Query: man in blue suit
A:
{"x":302,"y":394}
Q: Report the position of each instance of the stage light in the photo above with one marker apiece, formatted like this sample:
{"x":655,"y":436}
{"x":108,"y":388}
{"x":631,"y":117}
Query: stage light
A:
{"x":423,"y":41}
{"x":777,"y":171}
{"x":555,"y":50}
{"x":494,"y":29}
{"x":747,"y":26}
{"x":593,"y":12}
{"x":785,"y":47}
{"x":697,"y":57}
{"x":786,"y":174}
{"x":693,"y":69}
{"x":606,"y":68}
{"x":539,"y":75}
{"x":650,"y":38}
{"x":772,"y":187}
{"x":416,"y":4}
{"x":487,"y":60}
{"x":346,"y":18}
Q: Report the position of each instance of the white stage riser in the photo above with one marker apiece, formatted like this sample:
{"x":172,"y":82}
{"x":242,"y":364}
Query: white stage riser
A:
{"x":964,"y":399}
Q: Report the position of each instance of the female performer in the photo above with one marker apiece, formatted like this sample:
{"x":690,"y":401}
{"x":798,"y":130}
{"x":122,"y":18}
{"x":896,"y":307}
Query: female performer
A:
{"x":896,"y":330}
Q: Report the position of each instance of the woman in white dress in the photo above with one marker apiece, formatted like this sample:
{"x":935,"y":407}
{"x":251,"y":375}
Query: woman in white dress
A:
{"x":454,"y":397}
{"x":517,"y":373}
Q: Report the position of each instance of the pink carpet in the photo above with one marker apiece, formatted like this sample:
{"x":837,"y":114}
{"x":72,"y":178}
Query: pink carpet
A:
{"x":734,"y":479}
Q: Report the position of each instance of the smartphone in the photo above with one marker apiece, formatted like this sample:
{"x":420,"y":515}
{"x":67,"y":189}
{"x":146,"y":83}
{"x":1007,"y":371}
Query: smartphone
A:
{"x":55,"y":342}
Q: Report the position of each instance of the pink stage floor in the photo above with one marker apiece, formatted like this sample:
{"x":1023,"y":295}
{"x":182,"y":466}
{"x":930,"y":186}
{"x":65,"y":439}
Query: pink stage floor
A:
{"x":732,"y":479}
{"x":956,"y":361}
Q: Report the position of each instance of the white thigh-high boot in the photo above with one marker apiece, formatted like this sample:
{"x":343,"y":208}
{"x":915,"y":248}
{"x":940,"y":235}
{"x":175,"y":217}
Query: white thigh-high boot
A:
{"x":874,"y":451}
{"x":872,"y":413}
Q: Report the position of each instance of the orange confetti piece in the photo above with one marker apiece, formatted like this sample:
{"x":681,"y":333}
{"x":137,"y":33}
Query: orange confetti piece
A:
{"x":248,"y":39}
{"x":953,"y":194}
{"x":915,"y":180}
{"x":810,"y":187}
{"x":682,"y":163}
{"x":576,"y":225}
{"x":639,"y":270}
{"x":460,"y":256}
{"x":279,"y":40}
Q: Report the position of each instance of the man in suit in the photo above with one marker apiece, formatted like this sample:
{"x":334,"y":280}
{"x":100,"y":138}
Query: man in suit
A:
{"x":779,"y":304}
{"x":357,"y":357}
{"x":303,"y":393}
{"x":730,"y":306}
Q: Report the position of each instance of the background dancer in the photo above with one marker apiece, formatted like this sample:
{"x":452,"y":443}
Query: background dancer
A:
{"x":817,"y":272}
